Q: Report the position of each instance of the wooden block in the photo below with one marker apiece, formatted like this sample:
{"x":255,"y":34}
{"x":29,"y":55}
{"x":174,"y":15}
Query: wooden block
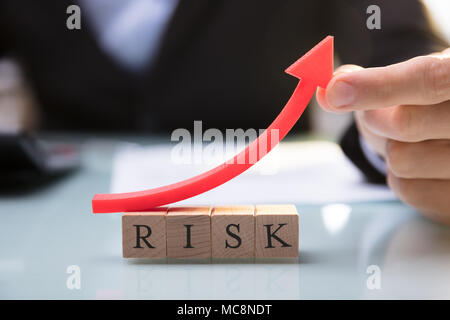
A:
{"x":144,"y":234}
{"x":189,"y":232}
{"x":276,"y":231}
{"x":233,"y":232}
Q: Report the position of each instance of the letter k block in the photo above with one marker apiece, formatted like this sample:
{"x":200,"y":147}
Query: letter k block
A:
{"x":276,"y":231}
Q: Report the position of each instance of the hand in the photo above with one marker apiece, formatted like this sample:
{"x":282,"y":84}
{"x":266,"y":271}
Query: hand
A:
{"x":403,"y":112}
{"x":18,"y":107}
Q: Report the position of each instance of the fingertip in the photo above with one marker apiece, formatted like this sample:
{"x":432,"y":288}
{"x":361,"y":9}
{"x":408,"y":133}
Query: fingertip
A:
{"x":346,"y":68}
{"x":340,"y":95}
{"x":320,"y":97}
{"x":338,"y":92}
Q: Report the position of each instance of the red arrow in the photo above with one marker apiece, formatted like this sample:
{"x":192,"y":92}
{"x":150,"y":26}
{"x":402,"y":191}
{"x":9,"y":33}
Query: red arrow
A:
{"x":314,"y":69}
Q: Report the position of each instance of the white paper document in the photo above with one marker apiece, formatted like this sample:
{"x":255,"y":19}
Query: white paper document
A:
{"x":294,"y":172}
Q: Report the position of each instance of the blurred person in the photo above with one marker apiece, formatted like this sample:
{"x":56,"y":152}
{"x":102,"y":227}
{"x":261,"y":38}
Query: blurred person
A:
{"x":157,"y":65}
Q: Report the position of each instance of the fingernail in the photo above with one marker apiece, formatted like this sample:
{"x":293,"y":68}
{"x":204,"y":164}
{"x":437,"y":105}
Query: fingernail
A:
{"x":340,"y":94}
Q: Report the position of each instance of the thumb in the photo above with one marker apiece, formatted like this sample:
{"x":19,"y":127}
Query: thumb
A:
{"x":320,"y":94}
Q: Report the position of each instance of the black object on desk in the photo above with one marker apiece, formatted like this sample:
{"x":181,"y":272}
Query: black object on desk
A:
{"x":26,"y":160}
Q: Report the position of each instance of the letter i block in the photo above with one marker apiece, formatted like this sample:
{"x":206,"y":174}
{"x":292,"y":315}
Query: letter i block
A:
{"x":144,"y":234}
{"x":189,"y":232}
{"x":233,"y":232}
{"x":276,"y":231}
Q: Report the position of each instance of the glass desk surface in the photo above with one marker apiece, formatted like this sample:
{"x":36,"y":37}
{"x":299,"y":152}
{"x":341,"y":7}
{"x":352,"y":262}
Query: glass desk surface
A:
{"x":381,"y":250}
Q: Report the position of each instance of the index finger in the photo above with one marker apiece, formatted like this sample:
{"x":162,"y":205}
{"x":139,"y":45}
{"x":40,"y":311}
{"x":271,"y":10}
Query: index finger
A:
{"x":419,"y":81}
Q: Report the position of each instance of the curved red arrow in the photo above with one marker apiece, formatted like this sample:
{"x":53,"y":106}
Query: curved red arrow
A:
{"x":314,"y":69}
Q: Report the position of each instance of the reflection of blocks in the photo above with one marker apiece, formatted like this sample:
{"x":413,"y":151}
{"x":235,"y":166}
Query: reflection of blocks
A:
{"x":233,"y":232}
{"x":268,"y":231}
{"x":144,"y":234}
{"x":276,"y":231}
{"x":189,"y":232}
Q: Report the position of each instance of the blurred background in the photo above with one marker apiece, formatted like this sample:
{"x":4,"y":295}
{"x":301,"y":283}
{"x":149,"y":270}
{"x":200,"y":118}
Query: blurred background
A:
{"x":135,"y":70}
{"x":156,"y":65}
{"x":148,"y":67}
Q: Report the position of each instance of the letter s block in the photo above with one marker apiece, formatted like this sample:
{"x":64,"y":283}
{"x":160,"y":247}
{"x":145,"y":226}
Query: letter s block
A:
{"x":189,"y":232}
{"x":144,"y":234}
{"x":276,"y":231}
{"x":233,"y":232}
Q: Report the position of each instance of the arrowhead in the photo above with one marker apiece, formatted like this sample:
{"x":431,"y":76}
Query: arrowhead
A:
{"x":316,"y":65}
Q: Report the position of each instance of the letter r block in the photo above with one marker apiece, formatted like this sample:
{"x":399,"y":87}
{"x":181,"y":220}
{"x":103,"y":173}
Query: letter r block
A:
{"x":144,"y":234}
{"x":276,"y":231}
{"x":189,"y":232}
{"x":233,"y":232}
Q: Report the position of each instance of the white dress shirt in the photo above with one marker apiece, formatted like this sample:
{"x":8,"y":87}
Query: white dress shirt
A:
{"x":129,"y":30}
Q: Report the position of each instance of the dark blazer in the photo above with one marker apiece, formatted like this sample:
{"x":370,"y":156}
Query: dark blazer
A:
{"x":221,"y":61}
